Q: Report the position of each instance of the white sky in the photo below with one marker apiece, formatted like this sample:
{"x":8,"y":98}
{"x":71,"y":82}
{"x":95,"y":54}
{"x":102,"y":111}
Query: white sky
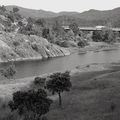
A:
{"x":64,"y":5}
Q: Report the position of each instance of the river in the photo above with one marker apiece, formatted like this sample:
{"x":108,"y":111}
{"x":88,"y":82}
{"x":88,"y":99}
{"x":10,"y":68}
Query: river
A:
{"x":34,"y":68}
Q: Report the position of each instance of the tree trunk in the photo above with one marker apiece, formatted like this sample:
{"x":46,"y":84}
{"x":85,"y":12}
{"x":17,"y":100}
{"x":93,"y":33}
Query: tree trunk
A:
{"x":60,"y":99}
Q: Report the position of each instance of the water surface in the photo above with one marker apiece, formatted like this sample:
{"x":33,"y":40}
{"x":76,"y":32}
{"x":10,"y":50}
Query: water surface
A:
{"x":34,"y":68}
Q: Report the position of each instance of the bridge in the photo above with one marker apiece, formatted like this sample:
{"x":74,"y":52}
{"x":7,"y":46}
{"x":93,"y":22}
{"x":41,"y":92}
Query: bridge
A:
{"x":92,"y":28}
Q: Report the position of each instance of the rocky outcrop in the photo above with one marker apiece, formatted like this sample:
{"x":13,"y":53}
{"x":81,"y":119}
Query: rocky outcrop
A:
{"x":22,"y":47}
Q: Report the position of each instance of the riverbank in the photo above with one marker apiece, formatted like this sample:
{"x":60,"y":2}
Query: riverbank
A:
{"x":99,"y":46}
{"x":95,"y":88}
{"x":65,"y":52}
{"x":8,"y":87}
{"x":94,"y":95}
{"x":93,"y":46}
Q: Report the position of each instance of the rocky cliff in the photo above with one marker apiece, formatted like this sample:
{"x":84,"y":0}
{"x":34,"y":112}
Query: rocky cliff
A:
{"x":23,"y":47}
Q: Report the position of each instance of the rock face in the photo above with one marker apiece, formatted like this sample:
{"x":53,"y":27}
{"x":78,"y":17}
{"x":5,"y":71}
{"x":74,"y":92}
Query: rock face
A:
{"x":22,"y":47}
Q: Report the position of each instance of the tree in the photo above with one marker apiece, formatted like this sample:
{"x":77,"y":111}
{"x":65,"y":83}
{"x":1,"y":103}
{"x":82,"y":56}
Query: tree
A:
{"x":74,"y":27}
{"x":40,"y":82}
{"x":58,"y":83}
{"x":2,"y":8}
{"x":97,"y":36}
{"x":20,"y":23}
{"x":30,"y":20}
{"x":82,"y":43}
{"x":16,"y":44}
{"x":31,"y":102}
{"x":40,"y":22}
{"x":27,"y":30}
{"x":108,"y":35}
{"x":9,"y":72}
{"x":57,"y":29}
{"x":11,"y":17}
{"x":45,"y":33}
{"x":15,"y":10}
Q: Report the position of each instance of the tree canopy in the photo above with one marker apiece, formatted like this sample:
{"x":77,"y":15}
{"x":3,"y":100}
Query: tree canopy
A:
{"x":27,"y":102}
{"x":58,"y":83}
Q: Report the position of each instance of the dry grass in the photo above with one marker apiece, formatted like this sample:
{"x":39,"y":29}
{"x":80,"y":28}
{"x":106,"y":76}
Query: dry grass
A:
{"x":92,"y":98}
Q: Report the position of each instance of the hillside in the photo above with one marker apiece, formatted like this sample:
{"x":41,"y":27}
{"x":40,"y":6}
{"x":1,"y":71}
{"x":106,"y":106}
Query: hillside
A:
{"x":33,"y":13}
{"x":39,"y":13}
{"x":23,"y":47}
{"x":97,"y":14}
{"x":15,"y":45}
{"x":91,"y":17}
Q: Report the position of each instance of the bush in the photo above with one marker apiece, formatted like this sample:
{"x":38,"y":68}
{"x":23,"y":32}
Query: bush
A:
{"x":97,"y":36}
{"x":75,"y":28}
{"x":32,"y":101}
{"x":40,"y":81}
{"x":15,"y":9}
{"x":106,"y":35}
{"x":82,"y":43}
{"x":8,"y":73}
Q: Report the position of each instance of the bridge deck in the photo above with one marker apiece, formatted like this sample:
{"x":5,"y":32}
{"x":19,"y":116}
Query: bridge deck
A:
{"x":92,"y":28}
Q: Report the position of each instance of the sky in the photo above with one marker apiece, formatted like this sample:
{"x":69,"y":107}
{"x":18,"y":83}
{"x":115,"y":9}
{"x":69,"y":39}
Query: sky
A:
{"x":64,"y":5}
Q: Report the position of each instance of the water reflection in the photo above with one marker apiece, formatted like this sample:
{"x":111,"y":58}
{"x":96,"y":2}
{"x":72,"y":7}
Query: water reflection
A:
{"x":33,"y":68}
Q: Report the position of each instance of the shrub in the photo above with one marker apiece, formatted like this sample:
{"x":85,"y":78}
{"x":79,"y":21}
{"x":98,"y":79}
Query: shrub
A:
{"x":15,"y":9}
{"x":74,"y":27}
{"x":40,"y":81}
{"x":8,"y":73}
{"x":35,"y":102}
{"x":82,"y":43}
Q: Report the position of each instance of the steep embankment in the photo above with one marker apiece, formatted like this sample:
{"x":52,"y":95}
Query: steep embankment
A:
{"x":23,"y":47}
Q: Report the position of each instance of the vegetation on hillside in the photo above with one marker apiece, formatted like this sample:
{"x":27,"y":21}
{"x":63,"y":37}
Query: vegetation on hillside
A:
{"x":106,"y":35}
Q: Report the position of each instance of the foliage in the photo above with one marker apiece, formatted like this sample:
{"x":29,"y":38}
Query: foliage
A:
{"x":11,"y":17}
{"x":30,"y":20}
{"x":20,"y":23}
{"x":58,"y":83}
{"x":74,"y":27}
{"x":40,"y":81}
{"x":82,"y":43}
{"x":33,"y":116}
{"x":27,"y":30}
{"x":45,"y":33}
{"x":16,"y":43}
{"x":48,"y":34}
{"x":35,"y":47}
{"x":97,"y":36}
{"x":9,"y":72}
{"x":106,"y":35}
{"x":2,"y":8}
{"x":15,"y":9}
{"x":35,"y":102}
{"x":57,"y":29}
{"x":40,"y":22}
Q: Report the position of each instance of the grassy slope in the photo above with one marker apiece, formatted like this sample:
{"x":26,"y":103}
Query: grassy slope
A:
{"x":91,"y":98}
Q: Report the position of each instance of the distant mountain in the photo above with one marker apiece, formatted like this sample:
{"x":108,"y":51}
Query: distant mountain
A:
{"x":97,"y":14}
{"x":91,"y":16}
{"x":32,"y":13}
